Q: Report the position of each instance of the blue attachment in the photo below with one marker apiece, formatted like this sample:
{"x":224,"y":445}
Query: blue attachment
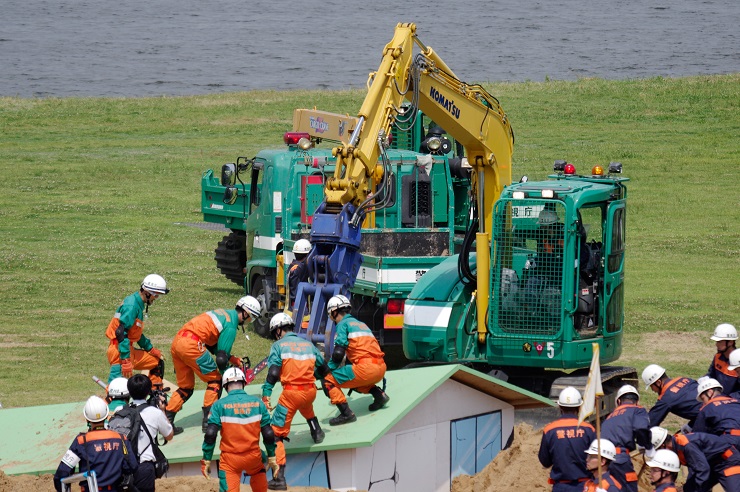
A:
{"x":333,"y":264}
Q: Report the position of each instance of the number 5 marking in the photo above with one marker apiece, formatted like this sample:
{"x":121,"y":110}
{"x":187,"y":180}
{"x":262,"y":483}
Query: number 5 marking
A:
{"x":550,"y":350}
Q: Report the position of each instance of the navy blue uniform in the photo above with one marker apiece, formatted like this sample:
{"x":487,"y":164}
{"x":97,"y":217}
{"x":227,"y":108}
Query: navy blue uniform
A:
{"x":666,"y":487}
{"x":677,"y":396}
{"x":562,"y":447}
{"x":608,"y":483}
{"x":626,"y":425}
{"x":107,"y":452}
{"x":710,"y":459}
{"x":720,"y":416}
{"x":720,"y":371}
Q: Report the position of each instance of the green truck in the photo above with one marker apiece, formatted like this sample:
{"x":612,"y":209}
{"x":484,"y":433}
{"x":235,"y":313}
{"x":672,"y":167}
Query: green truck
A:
{"x":267,"y":202}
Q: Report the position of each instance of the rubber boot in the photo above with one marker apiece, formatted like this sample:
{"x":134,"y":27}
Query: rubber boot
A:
{"x":346,"y":415}
{"x":316,"y":433}
{"x":171,"y":417}
{"x":278,"y":481}
{"x":206,"y":413}
{"x":380,"y":399}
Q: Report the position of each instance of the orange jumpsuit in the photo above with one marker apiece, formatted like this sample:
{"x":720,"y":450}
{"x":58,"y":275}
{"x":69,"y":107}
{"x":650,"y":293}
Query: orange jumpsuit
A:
{"x":366,"y":365}
{"x":212,"y":331}
{"x":125,"y":329}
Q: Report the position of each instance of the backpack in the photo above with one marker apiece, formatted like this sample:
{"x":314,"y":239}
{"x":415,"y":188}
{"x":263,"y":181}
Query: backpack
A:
{"x":127,"y":421}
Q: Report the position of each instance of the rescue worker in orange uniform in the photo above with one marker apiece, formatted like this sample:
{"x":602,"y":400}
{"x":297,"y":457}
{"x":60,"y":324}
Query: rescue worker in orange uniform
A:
{"x":364,"y":367}
{"x":664,"y":468}
{"x":677,"y":396}
{"x":298,"y":269}
{"x":107,"y":453}
{"x":241,"y":419}
{"x":127,"y":328}
{"x":563,"y":443}
{"x":596,"y":462}
{"x":293,"y":361}
{"x":719,"y":414}
{"x":626,"y":427}
{"x":724,"y":337}
{"x":710,"y":459}
{"x":550,"y":245}
{"x":211,"y":332}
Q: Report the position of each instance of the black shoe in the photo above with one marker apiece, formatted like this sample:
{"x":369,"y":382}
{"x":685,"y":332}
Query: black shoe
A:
{"x":278,"y":481}
{"x":171,"y":417}
{"x":345,"y":416}
{"x":316,"y":433}
{"x":381,"y":398}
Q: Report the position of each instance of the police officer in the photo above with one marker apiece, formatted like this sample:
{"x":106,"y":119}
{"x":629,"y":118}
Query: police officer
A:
{"x":664,"y":468}
{"x":677,"y":395}
{"x":127,"y":328}
{"x":601,"y":454}
{"x":292,"y":361}
{"x":719,"y":414}
{"x":241,"y":419}
{"x":106,"y":452}
{"x":563,"y":443}
{"x":724,"y":337}
{"x":365,"y":365}
{"x":626,"y":425}
{"x":710,"y":459}
{"x":298,"y":269}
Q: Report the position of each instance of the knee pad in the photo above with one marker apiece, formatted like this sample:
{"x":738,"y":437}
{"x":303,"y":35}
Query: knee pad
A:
{"x":185,"y":394}
{"x":159,"y":370}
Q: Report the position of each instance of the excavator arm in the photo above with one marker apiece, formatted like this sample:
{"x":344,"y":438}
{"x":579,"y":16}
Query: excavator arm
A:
{"x":467,"y":112}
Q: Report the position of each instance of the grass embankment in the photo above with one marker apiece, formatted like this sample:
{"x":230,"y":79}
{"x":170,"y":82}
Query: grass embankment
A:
{"x":96,"y":192}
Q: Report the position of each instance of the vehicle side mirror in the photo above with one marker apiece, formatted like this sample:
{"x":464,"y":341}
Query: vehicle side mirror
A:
{"x":230,"y":195}
{"x":228,"y":174}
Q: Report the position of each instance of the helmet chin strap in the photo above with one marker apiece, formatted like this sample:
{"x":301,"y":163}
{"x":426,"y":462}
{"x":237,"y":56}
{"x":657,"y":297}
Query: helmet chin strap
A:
{"x":662,"y":476}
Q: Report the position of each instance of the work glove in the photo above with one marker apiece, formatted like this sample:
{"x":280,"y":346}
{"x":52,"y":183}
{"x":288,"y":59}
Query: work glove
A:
{"x":599,"y":489}
{"x":266,"y":401}
{"x":686,"y":429}
{"x":650,"y":453}
{"x":127,"y":368}
{"x":205,"y":467}
{"x":235,"y":361}
{"x":155,"y":352}
{"x":272,"y":463}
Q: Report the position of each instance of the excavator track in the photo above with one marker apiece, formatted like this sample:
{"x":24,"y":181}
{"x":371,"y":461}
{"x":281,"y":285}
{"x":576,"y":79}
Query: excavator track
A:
{"x":231,"y":256}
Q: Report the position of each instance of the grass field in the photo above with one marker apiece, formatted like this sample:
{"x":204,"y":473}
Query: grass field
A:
{"x":97,"y":192}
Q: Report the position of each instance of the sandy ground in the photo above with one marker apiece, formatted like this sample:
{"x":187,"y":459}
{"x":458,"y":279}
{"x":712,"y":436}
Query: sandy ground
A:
{"x":516,"y":468}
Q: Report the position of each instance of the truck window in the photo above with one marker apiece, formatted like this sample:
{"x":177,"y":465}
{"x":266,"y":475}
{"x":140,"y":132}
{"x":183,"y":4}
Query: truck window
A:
{"x":617,"y":241}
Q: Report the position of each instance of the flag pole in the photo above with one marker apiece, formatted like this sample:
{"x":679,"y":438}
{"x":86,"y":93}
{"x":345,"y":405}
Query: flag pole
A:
{"x":598,"y":437}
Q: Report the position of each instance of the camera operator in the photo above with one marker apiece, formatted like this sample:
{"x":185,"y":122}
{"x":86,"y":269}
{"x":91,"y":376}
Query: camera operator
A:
{"x":152,"y":415}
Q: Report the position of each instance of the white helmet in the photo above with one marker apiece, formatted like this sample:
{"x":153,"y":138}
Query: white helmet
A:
{"x":280,"y":320}
{"x":570,"y":397}
{"x":651,"y":374}
{"x":725,"y":331}
{"x":337,"y":302}
{"x":155,"y":284}
{"x":547,"y":217}
{"x":118,"y":388}
{"x":250,"y":305}
{"x":232,"y":375}
{"x":302,"y":246}
{"x":665,"y":459}
{"x":608,"y":450}
{"x":658,"y":436}
{"x":626,"y":389}
{"x":96,"y":409}
{"x":706,"y":385}
{"x":734,"y":360}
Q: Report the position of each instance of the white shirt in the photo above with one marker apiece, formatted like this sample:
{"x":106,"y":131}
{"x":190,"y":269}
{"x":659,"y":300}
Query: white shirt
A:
{"x":156,"y":421}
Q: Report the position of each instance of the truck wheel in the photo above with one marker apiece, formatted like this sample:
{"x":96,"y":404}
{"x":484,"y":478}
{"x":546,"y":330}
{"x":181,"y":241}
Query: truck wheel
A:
{"x":231,"y":256}
{"x":262,"y":324}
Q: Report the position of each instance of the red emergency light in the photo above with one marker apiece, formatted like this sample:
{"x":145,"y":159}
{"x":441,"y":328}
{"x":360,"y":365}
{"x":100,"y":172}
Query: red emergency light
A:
{"x":569,"y":169}
{"x":292,"y":138}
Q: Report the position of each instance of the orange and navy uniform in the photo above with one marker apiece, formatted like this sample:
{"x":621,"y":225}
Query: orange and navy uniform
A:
{"x":107,"y":452}
{"x":124,"y":330}
{"x":666,"y":487}
{"x":678,"y":396}
{"x":211,"y":331}
{"x":297,"y":273}
{"x":241,"y":419}
{"x":719,"y":370}
{"x":297,"y":360}
{"x":626,"y":425}
{"x":562,"y":448}
{"x":608,"y":483}
{"x":720,"y":416}
{"x":710,"y":459}
{"x":366,"y":364}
